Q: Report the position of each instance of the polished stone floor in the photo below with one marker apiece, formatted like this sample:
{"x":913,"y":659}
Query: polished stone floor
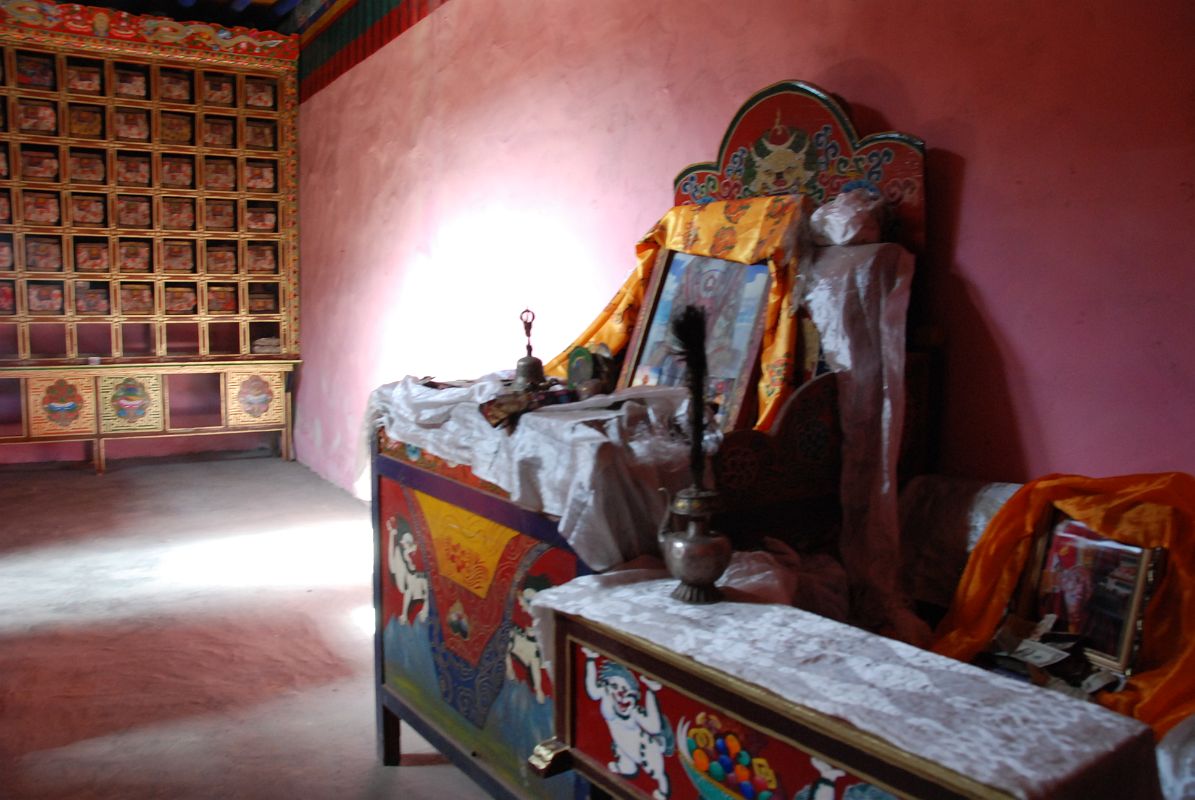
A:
{"x":192,"y":629}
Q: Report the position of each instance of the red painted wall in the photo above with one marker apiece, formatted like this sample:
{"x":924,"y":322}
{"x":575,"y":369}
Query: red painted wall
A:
{"x":510,"y":152}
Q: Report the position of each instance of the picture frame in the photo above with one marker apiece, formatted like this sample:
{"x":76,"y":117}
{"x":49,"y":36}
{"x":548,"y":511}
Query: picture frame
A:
{"x":1097,"y":588}
{"x":734,"y":297}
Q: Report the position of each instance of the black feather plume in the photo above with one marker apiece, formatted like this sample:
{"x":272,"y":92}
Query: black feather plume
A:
{"x":689,"y":329}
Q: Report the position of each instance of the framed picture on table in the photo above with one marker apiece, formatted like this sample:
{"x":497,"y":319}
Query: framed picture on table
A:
{"x":734,"y":297}
{"x":1096,"y":588}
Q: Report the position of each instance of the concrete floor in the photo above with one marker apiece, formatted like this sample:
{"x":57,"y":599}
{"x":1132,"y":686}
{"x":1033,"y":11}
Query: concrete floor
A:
{"x":192,"y":630}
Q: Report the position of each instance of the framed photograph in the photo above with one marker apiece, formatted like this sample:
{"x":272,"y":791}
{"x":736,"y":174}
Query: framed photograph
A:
{"x":1096,"y":588}
{"x":733,"y":297}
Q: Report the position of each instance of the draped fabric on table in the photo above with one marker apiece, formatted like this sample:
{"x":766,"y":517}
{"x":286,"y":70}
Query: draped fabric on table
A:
{"x":1148,"y":511}
{"x":747,"y":231}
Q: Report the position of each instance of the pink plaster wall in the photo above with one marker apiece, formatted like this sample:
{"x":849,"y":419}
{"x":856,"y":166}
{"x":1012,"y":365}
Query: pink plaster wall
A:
{"x":506,"y":153}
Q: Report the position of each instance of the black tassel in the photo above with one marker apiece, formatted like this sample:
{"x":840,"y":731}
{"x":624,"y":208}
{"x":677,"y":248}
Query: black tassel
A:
{"x":689,"y":329}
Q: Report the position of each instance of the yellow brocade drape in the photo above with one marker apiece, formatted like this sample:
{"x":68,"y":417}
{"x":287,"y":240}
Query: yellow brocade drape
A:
{"x":746,"y":231}
{"x":1148,"y":511}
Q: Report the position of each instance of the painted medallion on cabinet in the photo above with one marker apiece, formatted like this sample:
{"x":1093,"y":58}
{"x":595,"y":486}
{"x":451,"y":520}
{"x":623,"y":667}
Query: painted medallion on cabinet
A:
{"x":130,"y":403}
{"x":672,"y":746}
{"x":458,"y":641}
{"x":256,"y":398}
{"x":61,"y":406}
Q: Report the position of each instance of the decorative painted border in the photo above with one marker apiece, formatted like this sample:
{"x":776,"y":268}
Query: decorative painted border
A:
{"x":350,"y":32}
{"x":104,"y":29}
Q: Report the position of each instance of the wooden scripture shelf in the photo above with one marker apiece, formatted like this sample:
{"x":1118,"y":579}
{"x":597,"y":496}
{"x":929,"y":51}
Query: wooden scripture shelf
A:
{"x":100,"y":402}
{"x":148,"y":197}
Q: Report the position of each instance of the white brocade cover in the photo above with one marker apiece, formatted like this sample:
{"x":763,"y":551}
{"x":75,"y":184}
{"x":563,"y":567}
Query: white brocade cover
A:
{"x":1019,"y":739}
{"x":596,"y":464}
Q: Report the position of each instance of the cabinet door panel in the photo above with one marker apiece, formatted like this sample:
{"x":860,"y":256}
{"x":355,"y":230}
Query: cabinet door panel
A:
{"x":61,"y":406}
{"x":130,"y":403}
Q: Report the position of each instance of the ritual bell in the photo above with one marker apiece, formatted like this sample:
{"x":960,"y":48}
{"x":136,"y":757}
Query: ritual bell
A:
{"x":529,"y":372}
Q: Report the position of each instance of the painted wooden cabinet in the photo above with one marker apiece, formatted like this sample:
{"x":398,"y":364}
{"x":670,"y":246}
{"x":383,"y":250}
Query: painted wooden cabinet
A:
{"x":456,"y":567}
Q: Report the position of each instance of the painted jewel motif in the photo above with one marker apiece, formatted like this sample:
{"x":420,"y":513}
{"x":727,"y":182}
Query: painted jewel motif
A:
{"x":62,"y":403}
{"x":130,"y":400}
{"x":255,"y":396}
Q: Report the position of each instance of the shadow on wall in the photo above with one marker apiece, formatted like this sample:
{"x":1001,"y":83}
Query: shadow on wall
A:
{"x":946,"y":317}
{"x":946,"y":310}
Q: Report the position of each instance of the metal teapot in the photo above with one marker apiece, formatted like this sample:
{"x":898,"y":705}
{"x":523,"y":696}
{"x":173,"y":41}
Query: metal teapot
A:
{"x":694,"y":554}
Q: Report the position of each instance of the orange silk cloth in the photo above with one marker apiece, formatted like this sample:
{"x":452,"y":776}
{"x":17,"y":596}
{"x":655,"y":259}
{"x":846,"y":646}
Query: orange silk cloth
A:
{"x":1155,"y":510}
{"x":746,"y":231}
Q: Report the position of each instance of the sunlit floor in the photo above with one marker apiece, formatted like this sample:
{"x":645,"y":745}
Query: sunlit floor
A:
{"x":192,"y":630}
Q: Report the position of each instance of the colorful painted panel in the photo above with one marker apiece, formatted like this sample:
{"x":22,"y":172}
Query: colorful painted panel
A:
{"x":61,"y":406}
{"x":256,"y":398}
{"x":457,"y":639}
{"x":673,"y":746}
{"x":130,"y":403}
{"x":792,"y":137}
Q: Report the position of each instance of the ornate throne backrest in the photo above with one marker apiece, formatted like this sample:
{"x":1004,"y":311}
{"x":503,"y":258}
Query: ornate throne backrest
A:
{"x":794,"y":137}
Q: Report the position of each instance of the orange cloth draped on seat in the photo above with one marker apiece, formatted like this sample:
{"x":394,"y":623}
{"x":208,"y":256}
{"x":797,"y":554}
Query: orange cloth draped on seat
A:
{"x":1156,"y":510}
{"x":747,"y":231}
